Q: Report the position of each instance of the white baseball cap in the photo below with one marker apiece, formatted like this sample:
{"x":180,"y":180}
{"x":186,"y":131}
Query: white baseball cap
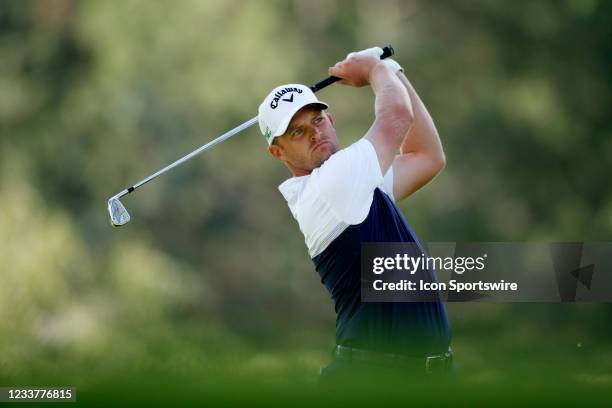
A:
{"x":277,"y":109}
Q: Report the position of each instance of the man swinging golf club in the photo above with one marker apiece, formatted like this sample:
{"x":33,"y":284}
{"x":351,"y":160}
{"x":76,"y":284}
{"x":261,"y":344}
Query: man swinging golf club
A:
{"x":343,"y":197}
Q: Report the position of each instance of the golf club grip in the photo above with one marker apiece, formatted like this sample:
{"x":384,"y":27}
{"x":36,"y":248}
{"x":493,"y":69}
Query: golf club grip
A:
{"x":387,"y":52}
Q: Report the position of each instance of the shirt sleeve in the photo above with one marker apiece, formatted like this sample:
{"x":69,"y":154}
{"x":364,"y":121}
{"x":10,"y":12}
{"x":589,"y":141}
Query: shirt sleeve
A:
{"x":347,"y":181}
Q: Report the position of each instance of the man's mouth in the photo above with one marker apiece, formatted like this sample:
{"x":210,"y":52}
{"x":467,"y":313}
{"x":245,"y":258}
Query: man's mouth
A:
{"x":319,"y":145}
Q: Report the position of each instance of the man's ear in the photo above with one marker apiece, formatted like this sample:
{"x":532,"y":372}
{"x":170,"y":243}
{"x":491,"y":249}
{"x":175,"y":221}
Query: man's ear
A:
{"x":277,"y":152}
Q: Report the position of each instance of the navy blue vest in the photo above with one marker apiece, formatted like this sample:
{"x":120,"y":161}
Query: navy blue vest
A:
{"x":410,"y":328}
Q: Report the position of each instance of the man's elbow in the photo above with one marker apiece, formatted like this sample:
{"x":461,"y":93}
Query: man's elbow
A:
{"x":438,"y":162}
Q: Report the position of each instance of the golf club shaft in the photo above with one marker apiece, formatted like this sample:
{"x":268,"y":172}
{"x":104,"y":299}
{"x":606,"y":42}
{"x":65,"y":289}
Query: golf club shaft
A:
{"x":183,"y":159}
{"x":387,"y":52}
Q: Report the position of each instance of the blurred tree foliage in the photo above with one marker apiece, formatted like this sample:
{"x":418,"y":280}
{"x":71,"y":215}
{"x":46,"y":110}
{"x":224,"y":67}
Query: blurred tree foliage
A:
{"x":95,"y":95}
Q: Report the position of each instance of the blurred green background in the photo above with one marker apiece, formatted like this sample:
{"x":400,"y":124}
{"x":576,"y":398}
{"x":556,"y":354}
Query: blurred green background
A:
{"x":211,"y":279}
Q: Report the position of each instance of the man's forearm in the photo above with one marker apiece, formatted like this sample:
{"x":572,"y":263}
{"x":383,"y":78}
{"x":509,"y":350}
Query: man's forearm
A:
{"x":394,"y":115}
{"x":390,"y":96}
{"x":423,"y":136}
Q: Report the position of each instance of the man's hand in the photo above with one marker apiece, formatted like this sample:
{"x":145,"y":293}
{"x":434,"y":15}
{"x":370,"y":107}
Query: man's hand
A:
{"x":357,"y":68}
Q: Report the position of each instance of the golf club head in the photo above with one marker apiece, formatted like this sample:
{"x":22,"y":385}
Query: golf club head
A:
{"x":118,"y":214}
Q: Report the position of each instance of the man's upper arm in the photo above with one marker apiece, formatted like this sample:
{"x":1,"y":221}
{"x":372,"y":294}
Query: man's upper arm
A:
{"x":412,"y":171}
{"x":421,"y":156}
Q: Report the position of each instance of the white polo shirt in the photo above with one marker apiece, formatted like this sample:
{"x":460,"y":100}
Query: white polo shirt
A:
{"x":337,"y":194}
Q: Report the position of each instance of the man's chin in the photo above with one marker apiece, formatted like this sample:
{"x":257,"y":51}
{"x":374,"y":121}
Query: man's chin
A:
{"x":324,"y":152}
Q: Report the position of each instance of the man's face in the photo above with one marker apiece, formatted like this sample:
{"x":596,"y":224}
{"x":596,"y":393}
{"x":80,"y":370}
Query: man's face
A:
{"x":308,"y":142}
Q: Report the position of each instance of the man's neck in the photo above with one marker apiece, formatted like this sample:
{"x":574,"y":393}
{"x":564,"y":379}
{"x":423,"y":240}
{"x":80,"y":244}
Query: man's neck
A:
{"x":298,"y":172}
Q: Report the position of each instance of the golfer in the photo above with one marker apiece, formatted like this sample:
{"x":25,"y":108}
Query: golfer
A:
{"x":343,"y":197}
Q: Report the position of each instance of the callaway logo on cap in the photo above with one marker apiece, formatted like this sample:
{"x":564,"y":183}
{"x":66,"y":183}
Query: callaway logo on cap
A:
{"x":277,"y":109}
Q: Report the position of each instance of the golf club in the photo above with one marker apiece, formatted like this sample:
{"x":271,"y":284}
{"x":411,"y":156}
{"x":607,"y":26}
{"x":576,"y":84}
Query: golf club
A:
{"x":119,"y":215}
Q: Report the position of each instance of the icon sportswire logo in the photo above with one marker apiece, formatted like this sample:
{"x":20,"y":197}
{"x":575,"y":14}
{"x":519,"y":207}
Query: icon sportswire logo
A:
{"x":278,"y":95}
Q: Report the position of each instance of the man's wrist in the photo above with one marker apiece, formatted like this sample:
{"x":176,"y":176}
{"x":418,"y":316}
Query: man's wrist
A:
{"x":380,"y":75}
{"x":395,"y":67}
{"x":380,"y":68}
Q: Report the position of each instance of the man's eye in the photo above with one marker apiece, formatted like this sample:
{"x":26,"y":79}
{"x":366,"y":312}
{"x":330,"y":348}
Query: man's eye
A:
{"x":318,"y":119}
{"x":296,"y":132}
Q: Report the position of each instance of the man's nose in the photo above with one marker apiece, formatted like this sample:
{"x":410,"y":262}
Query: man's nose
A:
{"x":315,"y":134}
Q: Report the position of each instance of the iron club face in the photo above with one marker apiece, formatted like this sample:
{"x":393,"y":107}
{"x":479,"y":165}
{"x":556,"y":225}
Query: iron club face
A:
{"x":118,"y":214}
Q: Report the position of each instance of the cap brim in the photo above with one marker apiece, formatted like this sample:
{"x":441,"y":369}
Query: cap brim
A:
{"x":282,"y":126}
